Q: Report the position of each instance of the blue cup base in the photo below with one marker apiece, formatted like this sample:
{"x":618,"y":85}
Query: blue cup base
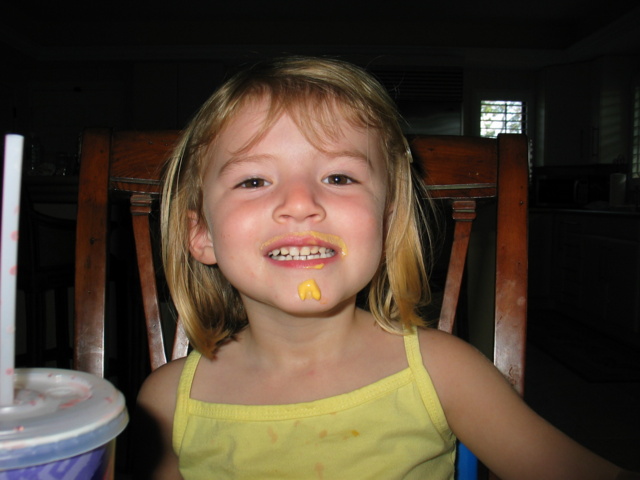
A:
{"x":97,"y":464}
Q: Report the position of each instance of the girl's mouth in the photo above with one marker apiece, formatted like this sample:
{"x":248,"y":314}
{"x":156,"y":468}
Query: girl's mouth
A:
{"x":302,"y":253}
{"x":311,"y":247}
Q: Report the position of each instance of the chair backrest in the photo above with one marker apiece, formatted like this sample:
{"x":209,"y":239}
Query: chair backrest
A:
{"x":128,"y":164}
{"x":465,"y":170}
{"x":462,"y":169}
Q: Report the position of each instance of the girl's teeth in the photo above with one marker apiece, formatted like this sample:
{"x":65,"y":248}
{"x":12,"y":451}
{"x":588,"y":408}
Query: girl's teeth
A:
{"x":301,"y":253}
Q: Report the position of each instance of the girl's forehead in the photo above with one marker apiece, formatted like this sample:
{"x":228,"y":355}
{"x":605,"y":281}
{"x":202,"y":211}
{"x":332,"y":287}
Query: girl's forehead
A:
{"x":322,"y":122}
{"x":245,"y":122}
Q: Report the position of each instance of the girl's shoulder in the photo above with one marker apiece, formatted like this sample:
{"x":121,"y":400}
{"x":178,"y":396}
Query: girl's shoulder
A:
{"x":445,"y":350}
{"x":439,"y":348}
{"x":154,"y":420}
{"x":456,"y":367}
{"x":168,"y":373}
{"x":158,"y":392}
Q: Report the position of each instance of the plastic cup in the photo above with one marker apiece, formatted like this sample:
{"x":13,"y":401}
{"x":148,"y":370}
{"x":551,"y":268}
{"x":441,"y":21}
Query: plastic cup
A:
{"x":63,"y":425}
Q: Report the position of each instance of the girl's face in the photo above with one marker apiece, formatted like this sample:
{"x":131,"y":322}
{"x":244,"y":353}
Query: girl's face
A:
{"x":295,"y":227}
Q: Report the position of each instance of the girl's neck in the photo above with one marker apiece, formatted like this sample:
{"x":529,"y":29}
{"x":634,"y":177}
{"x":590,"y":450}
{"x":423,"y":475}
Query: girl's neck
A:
{"x":289,"y":342}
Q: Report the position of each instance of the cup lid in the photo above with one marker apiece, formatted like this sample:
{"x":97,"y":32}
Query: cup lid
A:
{"x":58,"y":414}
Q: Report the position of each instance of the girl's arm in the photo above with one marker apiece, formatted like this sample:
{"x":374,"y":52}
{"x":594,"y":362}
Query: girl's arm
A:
{"x":491,"y":419}
{"x":153,"y":425}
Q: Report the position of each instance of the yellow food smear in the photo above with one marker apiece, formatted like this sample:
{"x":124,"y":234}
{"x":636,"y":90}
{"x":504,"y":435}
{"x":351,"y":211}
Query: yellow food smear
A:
{"x":309,"y":289}
{"x":331,"y":239}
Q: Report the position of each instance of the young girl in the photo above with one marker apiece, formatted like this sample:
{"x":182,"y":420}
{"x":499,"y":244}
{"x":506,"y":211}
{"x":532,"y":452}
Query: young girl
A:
{"x":289,"y":194}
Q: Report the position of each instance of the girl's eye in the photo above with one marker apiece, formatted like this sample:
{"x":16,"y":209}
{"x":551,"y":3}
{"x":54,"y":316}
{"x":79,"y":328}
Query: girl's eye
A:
{"x":338,"y":179}
{"x":253,"y":183}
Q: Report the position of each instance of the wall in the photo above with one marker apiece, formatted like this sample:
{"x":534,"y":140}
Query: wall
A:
{"x":166,"y":95}
{"x":578,"y":112}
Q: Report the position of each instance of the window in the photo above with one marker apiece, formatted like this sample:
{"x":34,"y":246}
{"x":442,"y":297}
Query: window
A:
{"x":501,"y":116}
{"x":635,"y":152}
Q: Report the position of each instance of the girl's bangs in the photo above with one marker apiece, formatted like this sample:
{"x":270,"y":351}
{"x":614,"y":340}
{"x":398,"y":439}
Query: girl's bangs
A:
{"x":315,"y":112}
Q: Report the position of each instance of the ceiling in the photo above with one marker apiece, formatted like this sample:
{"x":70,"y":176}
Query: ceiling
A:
{"x":75,"y":30}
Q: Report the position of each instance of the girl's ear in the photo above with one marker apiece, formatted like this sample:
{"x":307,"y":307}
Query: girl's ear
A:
{"x":200,"y":243}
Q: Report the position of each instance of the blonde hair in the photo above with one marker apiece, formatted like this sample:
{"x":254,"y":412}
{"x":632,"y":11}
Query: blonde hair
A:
{"x":313,"y":91}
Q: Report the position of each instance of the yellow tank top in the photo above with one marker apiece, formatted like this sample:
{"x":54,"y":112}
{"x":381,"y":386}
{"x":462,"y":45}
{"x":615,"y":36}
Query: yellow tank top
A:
{"x":394,"y":428}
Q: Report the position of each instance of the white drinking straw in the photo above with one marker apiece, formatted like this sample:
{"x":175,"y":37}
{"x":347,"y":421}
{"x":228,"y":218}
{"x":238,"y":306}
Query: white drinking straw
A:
{"x":9,"y":262}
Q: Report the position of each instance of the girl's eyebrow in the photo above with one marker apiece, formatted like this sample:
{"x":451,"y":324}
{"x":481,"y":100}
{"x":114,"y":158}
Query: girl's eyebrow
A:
{"x":237,"y":160}
{"x":356,"y":155}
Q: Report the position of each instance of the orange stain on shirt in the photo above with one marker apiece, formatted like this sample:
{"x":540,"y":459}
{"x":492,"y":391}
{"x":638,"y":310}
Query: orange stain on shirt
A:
{"x":351,"y":434}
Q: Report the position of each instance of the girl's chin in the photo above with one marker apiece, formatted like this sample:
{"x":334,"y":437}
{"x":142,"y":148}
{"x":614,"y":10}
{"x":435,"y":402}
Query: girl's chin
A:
{"x":326,"y":305}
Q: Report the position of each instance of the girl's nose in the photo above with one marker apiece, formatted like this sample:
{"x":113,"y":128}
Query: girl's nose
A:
{"x":299,"y":202}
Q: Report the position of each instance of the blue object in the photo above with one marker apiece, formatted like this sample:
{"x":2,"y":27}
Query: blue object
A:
{"x":466,"y":464}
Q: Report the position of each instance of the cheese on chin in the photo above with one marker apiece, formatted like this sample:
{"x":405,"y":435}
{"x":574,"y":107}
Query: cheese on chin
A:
{"x":309,"y":290}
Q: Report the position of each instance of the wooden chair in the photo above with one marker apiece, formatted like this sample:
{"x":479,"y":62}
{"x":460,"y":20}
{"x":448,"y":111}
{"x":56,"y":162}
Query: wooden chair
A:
{"x":124,"y":165}
{"x":462,"y":170}
{"x":465,"y":170}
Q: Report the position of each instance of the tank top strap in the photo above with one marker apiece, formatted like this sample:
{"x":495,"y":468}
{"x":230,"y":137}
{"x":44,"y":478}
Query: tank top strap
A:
{"x":183,"y":395}
{"x":412,"y":349}
{"x":423,"y":382}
